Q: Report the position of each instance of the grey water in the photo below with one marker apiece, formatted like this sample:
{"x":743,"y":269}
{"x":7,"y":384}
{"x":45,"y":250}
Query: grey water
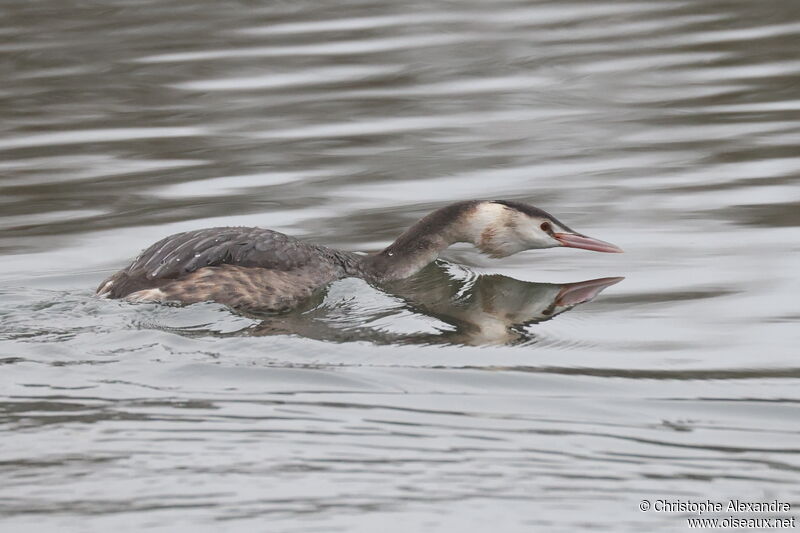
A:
{"x":483,"y":394}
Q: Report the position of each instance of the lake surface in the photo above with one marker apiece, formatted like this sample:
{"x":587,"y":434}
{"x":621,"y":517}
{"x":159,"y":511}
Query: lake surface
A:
{"x":478,"y":396}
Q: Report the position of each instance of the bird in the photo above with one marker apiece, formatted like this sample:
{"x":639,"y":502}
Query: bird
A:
{"x":261,"y":270}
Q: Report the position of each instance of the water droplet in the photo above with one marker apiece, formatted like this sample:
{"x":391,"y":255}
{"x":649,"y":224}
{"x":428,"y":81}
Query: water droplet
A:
{"x":197,"y":255}
{"x":178,"y":260}
{"x":390,"y":254}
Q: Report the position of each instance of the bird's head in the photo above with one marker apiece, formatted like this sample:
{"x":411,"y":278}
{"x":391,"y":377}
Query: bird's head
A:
{"x":501,"y":228}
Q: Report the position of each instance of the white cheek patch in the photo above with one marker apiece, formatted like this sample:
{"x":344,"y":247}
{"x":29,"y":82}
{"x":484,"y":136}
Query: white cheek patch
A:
{"x":486,"y":215}
{"x":501,"y":242}
{"x":496,"y":230}
{"x":538,"y":238}
{"x":500,"y":231}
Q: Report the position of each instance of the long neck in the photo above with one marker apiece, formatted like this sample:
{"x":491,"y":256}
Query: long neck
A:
{"x":421,"y":244}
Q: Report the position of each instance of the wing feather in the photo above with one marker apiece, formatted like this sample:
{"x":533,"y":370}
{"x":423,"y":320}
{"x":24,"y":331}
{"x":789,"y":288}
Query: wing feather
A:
{"x":183,"y":253}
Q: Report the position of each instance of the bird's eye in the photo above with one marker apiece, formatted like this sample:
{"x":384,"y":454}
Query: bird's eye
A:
{"x":546,"y":227}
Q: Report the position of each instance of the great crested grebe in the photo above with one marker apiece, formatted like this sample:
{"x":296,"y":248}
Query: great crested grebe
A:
{"x":263,"y":270}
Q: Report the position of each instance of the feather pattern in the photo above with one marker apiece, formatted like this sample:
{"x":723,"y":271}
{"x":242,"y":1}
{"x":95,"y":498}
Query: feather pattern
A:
{"x":178,"y":256}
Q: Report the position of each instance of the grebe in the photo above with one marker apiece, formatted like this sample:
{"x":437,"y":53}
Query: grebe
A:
{"x":263,"y":270}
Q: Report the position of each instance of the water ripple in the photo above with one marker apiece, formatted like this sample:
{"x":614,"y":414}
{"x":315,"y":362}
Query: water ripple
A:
{"x":468,"y":398}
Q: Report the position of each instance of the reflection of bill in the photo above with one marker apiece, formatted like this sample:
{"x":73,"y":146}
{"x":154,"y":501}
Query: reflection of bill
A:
{"x":481,"y":309}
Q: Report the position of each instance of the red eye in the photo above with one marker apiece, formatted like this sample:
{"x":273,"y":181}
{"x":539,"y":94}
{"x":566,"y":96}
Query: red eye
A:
{"x":546,"y":227}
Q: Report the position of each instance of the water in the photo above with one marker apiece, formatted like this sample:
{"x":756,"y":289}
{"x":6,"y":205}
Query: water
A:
{"x":458,"y":401}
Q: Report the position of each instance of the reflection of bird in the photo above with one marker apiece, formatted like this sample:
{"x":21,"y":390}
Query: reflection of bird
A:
{"x":259,"y":269}
{"x":472,"y":309}
{"x":491,"y":309}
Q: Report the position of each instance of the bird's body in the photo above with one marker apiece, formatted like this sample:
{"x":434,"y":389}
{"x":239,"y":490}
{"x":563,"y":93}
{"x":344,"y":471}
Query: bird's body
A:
{"x":248,"y":268}
{"x":261,"y":269}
